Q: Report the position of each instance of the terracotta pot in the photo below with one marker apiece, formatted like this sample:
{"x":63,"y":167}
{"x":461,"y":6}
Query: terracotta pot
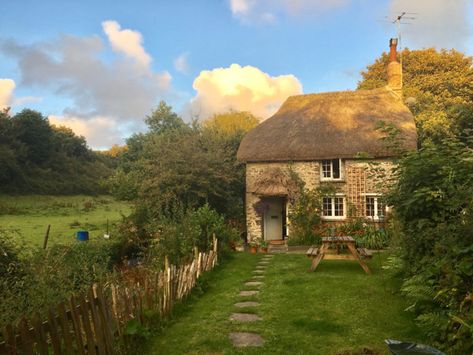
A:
{"x":253,"y":250}
{"x":263,"y":250}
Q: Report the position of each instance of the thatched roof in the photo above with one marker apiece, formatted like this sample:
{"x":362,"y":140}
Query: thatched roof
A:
{"x":329,"y":125}
{"x":274,"y":182}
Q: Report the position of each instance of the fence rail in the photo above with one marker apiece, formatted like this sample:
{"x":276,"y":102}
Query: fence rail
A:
{"x":92,"y":322}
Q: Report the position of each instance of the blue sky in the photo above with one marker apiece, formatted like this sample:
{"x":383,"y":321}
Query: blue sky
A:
{"x":100,"y":66}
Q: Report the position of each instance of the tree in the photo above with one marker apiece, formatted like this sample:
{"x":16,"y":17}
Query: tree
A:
{"x":437,"y":87}
{"x":68,"y":143}
{"x":33,"y":130}
{"x":233,"y":122}
{"x":163,"y":119}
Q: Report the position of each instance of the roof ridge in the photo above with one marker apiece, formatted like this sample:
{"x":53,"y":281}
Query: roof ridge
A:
{"x":361,"y":92}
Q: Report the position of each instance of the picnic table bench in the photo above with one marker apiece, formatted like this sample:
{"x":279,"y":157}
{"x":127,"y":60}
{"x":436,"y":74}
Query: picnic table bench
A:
{"x":332,"y":248}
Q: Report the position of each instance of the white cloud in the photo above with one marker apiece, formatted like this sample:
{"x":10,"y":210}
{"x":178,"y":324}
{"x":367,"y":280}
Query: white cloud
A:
{"x":126,"y":41}
{"x":240,"y":7}
{"x":439,"y":23}
{"x":6,"y":92}
{"x":72,"y":67}
{"x":268,"y":11}
{"x":101,"y":132}
{"x":242,"y":89}
{"x":181,"y":64}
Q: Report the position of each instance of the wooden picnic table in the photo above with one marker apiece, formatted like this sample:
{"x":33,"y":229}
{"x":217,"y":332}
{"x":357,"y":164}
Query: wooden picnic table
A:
{"x":331,"y":249}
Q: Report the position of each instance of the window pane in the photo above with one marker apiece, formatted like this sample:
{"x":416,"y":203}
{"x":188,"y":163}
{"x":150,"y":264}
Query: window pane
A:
{"x":336,"y":168}
{"x":327,"y":206}
{"x":381,"y":208}
{"x":338,"y":206}
{"x":370,"y":206}
{"x":326,"y":169}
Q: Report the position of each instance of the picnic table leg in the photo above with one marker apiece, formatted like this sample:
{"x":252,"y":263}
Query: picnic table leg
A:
{"x":352,"y":249}
{"x":318,"y":258}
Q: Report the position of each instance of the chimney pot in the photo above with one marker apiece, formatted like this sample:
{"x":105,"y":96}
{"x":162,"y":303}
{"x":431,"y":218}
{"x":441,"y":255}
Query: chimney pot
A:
{"x":393,"y":50}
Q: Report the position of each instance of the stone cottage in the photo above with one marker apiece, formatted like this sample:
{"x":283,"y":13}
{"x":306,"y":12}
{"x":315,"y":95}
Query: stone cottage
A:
{"x":328,"y":137}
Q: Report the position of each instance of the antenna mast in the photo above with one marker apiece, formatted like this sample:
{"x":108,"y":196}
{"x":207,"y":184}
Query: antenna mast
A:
{"x":398,"y":23}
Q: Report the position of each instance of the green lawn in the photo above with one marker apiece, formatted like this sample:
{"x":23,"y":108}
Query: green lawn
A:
{"x":337,"y":308}
{"x":27,"y":217}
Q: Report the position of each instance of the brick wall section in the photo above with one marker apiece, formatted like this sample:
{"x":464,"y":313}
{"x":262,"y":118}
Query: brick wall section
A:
{"x":309,"y":172}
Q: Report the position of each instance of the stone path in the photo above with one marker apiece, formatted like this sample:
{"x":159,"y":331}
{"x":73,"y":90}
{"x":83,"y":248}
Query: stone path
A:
{"x":242,"y":339}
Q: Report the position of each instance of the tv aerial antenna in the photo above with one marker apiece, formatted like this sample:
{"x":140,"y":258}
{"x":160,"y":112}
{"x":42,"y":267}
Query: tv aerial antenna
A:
{"x":400,"y":19}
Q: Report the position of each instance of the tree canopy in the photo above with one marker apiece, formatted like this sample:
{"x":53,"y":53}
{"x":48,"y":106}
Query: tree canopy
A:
{"x":179,"y":165}
{"x":36,"y":157}
{"x":233,"y":122}
{"x":437,"y":87}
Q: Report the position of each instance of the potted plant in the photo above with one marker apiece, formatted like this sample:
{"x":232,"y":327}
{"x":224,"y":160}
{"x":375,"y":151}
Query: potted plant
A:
{"x":263,"y":246}
{"x":239,"y":245}
{"x":253,"y":247}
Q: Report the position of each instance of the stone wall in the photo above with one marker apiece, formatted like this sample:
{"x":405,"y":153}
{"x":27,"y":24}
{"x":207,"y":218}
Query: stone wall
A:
{"x":309,"y":172}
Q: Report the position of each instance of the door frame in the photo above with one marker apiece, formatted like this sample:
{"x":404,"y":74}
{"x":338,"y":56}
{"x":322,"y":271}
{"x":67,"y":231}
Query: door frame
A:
{"x":283,"y":214}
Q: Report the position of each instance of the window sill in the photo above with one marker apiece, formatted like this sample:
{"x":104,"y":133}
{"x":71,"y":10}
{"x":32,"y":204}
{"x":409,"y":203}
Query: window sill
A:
{"x":332,"y":180}
{"x":334,"y":218}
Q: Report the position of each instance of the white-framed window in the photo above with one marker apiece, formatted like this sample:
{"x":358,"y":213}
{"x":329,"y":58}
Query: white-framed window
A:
{"x":333,"y":207}
{"x":375,"y":207}
{"x":331,"y":169}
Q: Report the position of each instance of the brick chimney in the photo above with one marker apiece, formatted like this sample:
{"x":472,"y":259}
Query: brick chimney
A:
{"x":394,"y":69}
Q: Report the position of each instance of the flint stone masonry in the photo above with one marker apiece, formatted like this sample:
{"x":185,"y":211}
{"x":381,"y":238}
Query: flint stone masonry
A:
{"x":241,"y":340}
{"x":249,"y":293}
{"x":245,"y":317}
{"x":309,"y":172}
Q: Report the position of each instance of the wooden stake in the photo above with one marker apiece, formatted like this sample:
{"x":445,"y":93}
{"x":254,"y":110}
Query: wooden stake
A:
{"x":45,"y":244}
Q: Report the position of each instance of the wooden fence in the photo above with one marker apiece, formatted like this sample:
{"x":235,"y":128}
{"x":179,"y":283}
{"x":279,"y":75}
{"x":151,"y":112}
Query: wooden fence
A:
{"x":92,"y":322}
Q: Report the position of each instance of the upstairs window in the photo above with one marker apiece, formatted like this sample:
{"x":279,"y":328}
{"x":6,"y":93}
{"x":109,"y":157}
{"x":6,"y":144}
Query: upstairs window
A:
{"x":375,"y":208}
{"x":333,"y":207}
{"x":331,"y":169}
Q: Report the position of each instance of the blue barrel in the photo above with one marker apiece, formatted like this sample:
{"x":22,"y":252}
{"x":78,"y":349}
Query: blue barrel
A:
{"x":82,"y":236}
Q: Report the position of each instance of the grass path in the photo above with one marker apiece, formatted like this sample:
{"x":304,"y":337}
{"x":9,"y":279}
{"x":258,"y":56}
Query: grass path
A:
{"x":336,"y":308}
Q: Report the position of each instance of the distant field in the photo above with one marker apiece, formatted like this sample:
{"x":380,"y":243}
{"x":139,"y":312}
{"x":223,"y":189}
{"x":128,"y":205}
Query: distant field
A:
{"x":27,"y":217}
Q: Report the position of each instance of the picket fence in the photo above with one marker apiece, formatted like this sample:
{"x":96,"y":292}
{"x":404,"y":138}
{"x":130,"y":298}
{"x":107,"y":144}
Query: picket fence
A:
{"x":91,"y":323}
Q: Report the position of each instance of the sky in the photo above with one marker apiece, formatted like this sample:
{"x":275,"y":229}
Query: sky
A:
{"x":100,"y":66}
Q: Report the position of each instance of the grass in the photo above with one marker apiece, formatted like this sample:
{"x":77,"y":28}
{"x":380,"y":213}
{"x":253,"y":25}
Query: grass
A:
{"x":337,"y":309}
{"x":27,"y":217}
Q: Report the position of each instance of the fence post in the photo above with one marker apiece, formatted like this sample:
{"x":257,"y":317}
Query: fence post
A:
{"x":46,"y":237}
{"x":215,"y":242}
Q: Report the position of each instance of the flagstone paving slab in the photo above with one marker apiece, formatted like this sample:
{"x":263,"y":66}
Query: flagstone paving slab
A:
{"x":247,"y":304}
{"x":253,"y":283}
{"x":259,"y":277}
{"x":258,"y":272}
{"x":249,"y":293}
{"x":245,"y":317}
{"x":241,"y":340}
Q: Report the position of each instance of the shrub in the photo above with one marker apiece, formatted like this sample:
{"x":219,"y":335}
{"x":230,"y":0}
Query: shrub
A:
{"x":47,"y":277}
{"x":434,"y":208}
{"x":176,"y":236}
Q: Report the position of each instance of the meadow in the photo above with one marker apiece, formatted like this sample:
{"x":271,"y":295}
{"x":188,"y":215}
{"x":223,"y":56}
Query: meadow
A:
{"x":26,"y":218}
